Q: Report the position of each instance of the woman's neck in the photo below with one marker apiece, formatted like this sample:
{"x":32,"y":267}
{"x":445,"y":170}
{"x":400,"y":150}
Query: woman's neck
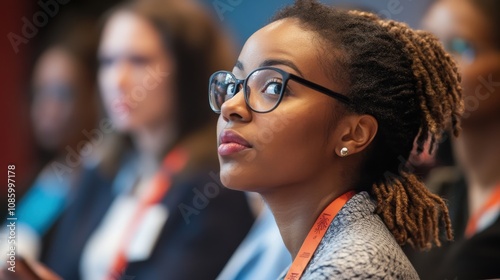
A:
{"x":296,"y":208}
{"x":151,"y":143}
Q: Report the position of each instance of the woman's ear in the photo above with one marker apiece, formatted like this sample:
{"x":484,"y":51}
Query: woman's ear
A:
{"x":357,"y":133}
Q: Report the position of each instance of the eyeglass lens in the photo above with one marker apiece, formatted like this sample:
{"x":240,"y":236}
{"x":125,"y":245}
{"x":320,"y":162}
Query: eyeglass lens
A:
{"x":263,"y":89}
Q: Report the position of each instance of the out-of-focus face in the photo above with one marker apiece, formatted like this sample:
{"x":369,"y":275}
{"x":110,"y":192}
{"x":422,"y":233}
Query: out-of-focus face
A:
{"x":466,"y":33}
{"x":289,"y":145}
{"x":134,"y":73}
{"x":56,"y":86}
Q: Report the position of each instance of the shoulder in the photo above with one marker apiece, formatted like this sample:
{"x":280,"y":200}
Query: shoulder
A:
{"x":359,"y":245}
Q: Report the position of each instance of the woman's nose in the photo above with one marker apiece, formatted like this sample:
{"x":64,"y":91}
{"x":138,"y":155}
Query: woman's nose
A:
{"x":120,"y":75}
{"x":236,"y":109}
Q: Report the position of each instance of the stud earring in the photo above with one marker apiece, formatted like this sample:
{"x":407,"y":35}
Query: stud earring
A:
{"x":344,"y":151}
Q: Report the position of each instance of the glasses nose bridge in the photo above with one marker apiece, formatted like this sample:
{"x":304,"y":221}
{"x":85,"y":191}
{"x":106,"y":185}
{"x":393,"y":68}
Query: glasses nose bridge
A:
{"x":238,"y":86}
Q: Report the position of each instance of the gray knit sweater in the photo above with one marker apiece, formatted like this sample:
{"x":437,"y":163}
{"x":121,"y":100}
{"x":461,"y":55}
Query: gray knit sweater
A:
{"x":358,"y":245}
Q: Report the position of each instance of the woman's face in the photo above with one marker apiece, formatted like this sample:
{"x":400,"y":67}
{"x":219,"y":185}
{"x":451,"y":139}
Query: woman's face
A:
{"x":290,"y":144}
{"x":55,"y":113}
{"x":467,"y":34}
{"x":134,"y":73}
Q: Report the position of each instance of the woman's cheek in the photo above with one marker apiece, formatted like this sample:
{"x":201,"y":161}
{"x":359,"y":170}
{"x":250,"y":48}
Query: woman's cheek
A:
{"x":481,"y":87}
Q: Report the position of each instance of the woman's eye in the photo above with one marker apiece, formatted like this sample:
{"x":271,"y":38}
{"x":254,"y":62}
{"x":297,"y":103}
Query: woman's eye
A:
{"x":230,"y":90}
{"x":139,"y":60}
{"x":105,"y":61}
{"x":273,"y":88}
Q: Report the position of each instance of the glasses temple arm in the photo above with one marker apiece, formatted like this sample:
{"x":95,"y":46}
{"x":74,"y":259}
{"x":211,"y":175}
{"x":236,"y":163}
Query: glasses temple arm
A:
{"x":321,"y":89}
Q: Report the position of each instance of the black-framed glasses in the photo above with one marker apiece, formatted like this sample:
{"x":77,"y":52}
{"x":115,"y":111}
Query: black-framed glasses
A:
{"x":263,"y":88}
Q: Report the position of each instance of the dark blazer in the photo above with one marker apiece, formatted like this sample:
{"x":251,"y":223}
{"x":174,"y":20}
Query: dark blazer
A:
{"x":477,"y":257}
{"x":194,"y":244}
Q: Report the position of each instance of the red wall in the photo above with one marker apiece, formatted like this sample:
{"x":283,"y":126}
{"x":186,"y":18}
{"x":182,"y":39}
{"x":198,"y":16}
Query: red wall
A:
{"x":16,"y":144}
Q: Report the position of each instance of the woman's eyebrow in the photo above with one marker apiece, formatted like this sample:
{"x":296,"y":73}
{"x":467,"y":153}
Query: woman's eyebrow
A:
{"x":274,"y":62}
{"x":239,"y":65}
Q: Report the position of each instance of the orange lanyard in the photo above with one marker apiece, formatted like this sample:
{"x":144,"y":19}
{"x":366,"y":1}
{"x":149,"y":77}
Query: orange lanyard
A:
{"x":315,"y":235}
{"x":492,"y":202}
{"x":173,"y":163}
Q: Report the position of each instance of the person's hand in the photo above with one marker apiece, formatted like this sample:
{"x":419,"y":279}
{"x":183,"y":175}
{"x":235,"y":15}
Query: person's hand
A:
{"x":28,"y":270}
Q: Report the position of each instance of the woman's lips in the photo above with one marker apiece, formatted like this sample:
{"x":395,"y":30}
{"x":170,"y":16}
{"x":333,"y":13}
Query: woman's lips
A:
{"x":230,"y":143}
{"x":120,"y":107}
{"x":230,"y":148}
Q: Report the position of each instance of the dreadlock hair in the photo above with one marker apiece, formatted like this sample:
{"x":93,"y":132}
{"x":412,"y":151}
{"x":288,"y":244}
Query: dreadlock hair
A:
{"x":406,"y":81}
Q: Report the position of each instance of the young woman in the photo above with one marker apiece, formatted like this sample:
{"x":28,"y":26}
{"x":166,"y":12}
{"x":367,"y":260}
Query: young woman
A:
{"x":471,"y":32}
{"x":64,"y":107}
{"x":319,"y":116}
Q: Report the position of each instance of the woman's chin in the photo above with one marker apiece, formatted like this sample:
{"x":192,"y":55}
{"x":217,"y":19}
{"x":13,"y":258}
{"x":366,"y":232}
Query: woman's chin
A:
{"x":230,"y":182}
{"x":236,"y":183}
{"x":124,"y":125}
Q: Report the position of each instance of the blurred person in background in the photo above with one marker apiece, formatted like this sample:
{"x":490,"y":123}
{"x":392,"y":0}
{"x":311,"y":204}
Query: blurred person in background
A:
{"x":470,"y":29}
{"x":64,"y":106}
{"x":153,"y":207}
{"x":262,"y":254}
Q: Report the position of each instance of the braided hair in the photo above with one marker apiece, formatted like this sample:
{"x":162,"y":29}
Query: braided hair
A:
{"x":406,"y":81}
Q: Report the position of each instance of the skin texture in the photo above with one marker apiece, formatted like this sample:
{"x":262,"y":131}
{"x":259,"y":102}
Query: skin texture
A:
{"x":294,"y":160}
{"x":139,"y":102}
{"x":476,"y":150}
{"x":57,"y":111}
